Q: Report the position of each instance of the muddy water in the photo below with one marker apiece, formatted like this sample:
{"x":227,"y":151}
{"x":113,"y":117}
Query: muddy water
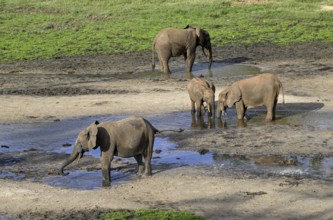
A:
{"x":53,"y":136}
{"x":218,"y":69}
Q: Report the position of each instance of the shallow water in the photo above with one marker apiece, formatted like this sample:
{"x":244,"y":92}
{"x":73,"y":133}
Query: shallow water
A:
{"x":53,"y":135}
{"x":218,"y":69}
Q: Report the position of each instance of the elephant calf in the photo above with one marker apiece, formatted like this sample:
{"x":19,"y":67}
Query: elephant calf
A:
{"x":261,"y":90}
{"x":200,"y":92}
{"x":130,"y":137}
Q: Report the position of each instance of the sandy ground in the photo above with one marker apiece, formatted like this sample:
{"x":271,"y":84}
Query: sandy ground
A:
{"x":51,"y":90}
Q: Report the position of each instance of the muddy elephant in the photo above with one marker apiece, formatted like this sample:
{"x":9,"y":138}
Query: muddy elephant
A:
{"x":201,"y":92}
{"x":130,"y":137}
{"x":171,"y":42}
{"x":261,"y":90}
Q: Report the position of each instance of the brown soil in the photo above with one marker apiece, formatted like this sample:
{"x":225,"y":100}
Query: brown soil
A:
{"x":58,"y":89}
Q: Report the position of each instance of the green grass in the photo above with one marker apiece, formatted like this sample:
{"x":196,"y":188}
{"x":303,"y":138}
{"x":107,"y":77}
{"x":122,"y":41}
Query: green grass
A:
{"x":32,"y":29}
{"x":144,"y":214}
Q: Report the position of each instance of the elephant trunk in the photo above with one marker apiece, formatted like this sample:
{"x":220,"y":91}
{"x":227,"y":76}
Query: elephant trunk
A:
{"x":211,"y":109}
{"x":209,"y":55}
{"x":221,"y":110}
{"x":72,"y":157}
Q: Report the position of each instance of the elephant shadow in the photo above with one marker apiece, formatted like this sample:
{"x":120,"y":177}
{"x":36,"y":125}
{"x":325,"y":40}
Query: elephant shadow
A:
{"x":233,"y":60}
{"x":284,"y":111}
{"x":300,"y":106}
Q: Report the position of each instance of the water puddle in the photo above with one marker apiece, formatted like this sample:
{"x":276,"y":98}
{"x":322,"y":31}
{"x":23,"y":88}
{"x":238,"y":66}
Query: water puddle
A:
{"x":290,"y":165}
{"x":225,"y":70}
{"x":58,"y":136}
{"x":8,"y":175}
{"x":218,"y":69}
{"x":79,"y":179}
{"x":52,"y":136}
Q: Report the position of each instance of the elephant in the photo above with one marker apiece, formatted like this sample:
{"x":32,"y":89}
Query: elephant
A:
{"x":129,"y":137}
{"x":200,"y":92}
{"x":172,"y":42}
{"x":260,"y":90}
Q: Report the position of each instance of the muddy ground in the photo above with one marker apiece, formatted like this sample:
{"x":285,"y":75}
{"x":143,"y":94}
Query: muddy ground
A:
{"x":123,"y":84}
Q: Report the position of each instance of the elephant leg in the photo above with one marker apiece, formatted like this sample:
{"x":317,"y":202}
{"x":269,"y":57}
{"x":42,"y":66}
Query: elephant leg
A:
{"x":274,"y":108}
{"x":149,"y":155}
{"x":192,"y":106}
{"x":106,"y":166}
{"x":163,"y":58}
{"x":271,"y":111}
{"x":269,"y":116}
{"x":244,"y":117}
{"x":188,"y":73}
{"x":199,"y":108}
{"x":141,"y":167}
{"x":189,"y":62}
{"x":166,"y":66}
{"x":160,"y":59}
{"x":240,"y":109}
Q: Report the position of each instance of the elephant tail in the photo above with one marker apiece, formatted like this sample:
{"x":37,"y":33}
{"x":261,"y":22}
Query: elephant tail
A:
{"x":168,"y":130}
{"x":156,"y":131}
{"x":153,"y":57}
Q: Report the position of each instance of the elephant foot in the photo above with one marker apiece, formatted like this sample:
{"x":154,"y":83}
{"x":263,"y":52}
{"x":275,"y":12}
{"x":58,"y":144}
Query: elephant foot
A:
{"x":269,"y":119}
{"x":147,"y":174}
{"x":106,"y":184}
{"x":140,"y":170}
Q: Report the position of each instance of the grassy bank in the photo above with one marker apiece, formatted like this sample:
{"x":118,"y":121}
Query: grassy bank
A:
{"x":144,"y":214}
{"x":32,"y":29}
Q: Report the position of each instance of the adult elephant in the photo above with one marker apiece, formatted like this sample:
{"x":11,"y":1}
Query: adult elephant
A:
{"x":261,"y":90}
{"x":171,"y":42}
{"x":130,"y":137}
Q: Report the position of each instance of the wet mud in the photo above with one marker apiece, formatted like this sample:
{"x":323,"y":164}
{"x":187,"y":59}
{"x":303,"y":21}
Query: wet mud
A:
{"x":52,"y":141}
{"x":299,"y":144}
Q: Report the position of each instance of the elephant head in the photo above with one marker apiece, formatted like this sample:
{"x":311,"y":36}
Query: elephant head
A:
{"x":204,"y":42}
{"x":209,"y":99}
{"x":233,"y":95}
{"x":227,"y":98}
{"x":85,"y":141}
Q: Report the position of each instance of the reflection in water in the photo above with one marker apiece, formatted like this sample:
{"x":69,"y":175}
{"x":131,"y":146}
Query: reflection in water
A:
{"x":79,"y":179}
{"x":50,"y":136}
{"x":218,"y":69}
{"x":198,"y":122}
{"x":241,"y":123}
{"x":188,"y":75}
{"x":289,"y":165}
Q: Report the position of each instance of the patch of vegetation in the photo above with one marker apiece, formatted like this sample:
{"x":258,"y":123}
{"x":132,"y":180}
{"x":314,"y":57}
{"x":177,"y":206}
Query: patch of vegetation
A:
{"x":33,"y":29}
{"x":145,"y":214}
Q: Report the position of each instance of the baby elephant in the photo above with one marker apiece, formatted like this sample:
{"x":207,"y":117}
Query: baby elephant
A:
{"x":201,"y":91}
{"x":130,"y":137}
{"x":261,"y":90}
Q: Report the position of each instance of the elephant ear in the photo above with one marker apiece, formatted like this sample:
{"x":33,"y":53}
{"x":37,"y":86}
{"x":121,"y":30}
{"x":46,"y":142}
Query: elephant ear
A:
{"x":200,"y":34}
{"x":92,"y":132}
{"x":233,"y":95}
